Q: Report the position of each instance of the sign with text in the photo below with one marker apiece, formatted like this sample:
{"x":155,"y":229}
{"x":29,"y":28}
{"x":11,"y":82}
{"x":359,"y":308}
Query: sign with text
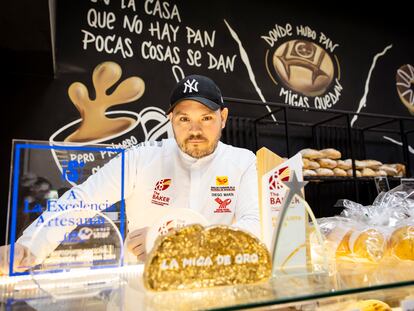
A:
{"x":57,"y":220}
{"x":292,"y":251}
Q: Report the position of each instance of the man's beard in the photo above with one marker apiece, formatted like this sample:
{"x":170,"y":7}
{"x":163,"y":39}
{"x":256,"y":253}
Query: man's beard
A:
{"x":196,"y":152}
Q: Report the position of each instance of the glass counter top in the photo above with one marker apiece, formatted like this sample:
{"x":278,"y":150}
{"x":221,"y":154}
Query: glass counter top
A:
{"x":123,"y":289}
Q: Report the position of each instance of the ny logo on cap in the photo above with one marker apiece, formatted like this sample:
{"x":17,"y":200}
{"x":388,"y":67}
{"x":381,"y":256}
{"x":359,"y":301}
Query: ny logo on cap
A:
{"x":190,"y":86}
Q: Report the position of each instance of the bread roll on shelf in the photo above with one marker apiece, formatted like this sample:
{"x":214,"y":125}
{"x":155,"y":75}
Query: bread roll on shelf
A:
{"x":344,"y":164}
{"x":360,"y":164}
{"x":330,"y":153}
{"x":373,"y":164}
{"x":309,"y":164}
{"x":339,"y":172}
{"x":327,"y":163}
{"x":367,"y":172}
{"x":401,"y":172}
{"x":330,"y":158}
{"x":357,"y":172}
{"x":391,"y":171}
{"x":380,"y":173}
{"x":311,"y":153}
{"x":307,"y":172}
{"x":324,"y":172}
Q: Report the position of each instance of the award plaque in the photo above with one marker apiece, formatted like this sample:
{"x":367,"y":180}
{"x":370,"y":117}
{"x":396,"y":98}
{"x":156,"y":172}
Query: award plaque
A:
{"x":284,"y":214}
{"x":55,"y":225}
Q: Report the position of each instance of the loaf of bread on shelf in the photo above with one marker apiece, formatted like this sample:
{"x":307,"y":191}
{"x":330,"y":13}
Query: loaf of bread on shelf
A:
{"x":324,"y":172}
{"x":368,"y":172}
{"x":330,"y":153}
{"x":310,"y":153}
{"x":357,"y":172}
{"x":339,"y":172}
{"x":344,"y":164}
{"x":327,"y":163}
{"x":380,"y":173}
{"x":391,"y":171}
{"x":400,"y":169}
{"x":373,"y":164}
{"x":307,"y":172}
{"x":401,"y":243}
{"x":369,"y":245}
{"x":360,"y":164}
{"x":309,"y":164}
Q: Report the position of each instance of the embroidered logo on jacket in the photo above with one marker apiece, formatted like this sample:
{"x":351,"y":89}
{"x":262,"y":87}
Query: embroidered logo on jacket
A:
{"x":157,"y":197}
{"x":222,"y":180}
{"x":222,"y":208}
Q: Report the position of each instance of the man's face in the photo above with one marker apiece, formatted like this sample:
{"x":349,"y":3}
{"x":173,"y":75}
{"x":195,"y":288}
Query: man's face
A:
{"x":197,"y":129}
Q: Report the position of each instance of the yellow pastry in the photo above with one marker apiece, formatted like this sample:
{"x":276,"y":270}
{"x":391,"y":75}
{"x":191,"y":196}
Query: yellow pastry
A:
{"x":370,"y":245}
{"x":401,"y":243}
{"x":370,"y":305}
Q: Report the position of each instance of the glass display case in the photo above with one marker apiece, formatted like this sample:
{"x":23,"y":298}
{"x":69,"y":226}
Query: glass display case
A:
{"x":122,"y":289}
{"x":117,"y":285}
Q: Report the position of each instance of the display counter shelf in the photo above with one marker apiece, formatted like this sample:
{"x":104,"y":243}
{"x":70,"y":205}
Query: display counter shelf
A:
{"x":338,"y":178}
{"x":122,"y":289}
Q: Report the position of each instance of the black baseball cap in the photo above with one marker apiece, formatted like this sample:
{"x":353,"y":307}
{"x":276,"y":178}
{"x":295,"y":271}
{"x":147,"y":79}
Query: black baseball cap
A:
{"x":198,"y":88}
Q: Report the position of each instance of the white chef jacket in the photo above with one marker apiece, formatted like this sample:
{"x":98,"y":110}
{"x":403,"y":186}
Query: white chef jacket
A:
{"x":221,"y":186}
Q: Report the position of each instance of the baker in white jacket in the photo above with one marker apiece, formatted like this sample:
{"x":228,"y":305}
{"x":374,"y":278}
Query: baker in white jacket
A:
{"x":195,"y":170}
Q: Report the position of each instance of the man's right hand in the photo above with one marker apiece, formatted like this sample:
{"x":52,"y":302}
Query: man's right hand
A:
{"x":22,"y":261}
{"x":135,"y":242}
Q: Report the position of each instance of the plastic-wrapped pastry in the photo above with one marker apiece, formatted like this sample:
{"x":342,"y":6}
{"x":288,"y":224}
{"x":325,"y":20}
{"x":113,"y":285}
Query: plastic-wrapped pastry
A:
{"x":311,"y":153}
{"x":369,"y":305}
{"x":327,"y":163}
{"x":401,"y":243}
{"x":343,"y":249}
{"x":330,"y":153}
{"x":369,"y":244}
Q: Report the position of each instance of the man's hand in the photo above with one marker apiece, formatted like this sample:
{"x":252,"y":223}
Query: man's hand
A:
{"x":135,"y":242}
{"x":22,"y":261}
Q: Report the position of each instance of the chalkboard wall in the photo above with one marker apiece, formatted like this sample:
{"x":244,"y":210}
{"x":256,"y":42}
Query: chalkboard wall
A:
{"x":313,"y":56}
